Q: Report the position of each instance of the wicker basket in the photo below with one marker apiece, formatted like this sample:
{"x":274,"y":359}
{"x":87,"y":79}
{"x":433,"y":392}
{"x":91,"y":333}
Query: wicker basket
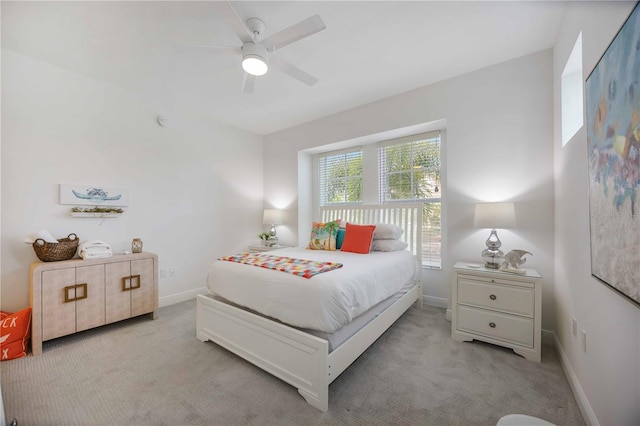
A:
{"x":64,"y":249}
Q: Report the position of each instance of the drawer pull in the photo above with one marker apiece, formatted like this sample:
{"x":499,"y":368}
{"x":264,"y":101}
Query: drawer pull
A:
{"x":492,"y":324}
{"x":130,"y":280}
{"x":493,"y":297}
{"x":70,"y":296}
{"x":137,"y":279}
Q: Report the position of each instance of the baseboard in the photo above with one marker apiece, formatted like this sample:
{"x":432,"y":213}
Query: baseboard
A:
{"x":438,"y":302}
{"x":581,"y":398}
{"x":435,"y":301}
{"x":548,"y":337}
{"x":181,"y":297}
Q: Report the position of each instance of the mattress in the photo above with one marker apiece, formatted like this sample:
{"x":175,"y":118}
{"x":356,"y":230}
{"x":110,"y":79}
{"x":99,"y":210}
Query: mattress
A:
{"x":325,"y":302}
{"x":343,"y":334}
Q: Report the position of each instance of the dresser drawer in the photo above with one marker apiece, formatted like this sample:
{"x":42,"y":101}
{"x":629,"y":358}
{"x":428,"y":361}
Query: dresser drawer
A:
{"x":491,"y":294}
{"x":497,"y":325}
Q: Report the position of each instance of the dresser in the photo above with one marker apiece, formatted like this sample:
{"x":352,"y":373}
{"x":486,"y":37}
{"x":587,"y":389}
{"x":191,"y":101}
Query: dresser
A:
{"x":75,"y":295}
{"x":498,"y":307}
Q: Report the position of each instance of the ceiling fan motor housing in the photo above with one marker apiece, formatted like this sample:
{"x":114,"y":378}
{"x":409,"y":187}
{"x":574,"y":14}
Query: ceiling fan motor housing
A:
{"x":257,"y":27}
{"x":252,"y":55}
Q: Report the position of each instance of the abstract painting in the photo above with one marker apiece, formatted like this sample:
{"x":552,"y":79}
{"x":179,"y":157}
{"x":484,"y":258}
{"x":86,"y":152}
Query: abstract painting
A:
{"x":613,"y":136}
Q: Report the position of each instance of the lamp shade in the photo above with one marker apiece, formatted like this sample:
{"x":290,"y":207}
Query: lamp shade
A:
{"x":272,"y":217}
{"x":494,"y":215}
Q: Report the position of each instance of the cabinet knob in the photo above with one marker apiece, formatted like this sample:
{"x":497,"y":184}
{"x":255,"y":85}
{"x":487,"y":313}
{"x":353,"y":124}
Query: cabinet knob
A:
{"x":492,"y":324}
{"x":493,"y":297}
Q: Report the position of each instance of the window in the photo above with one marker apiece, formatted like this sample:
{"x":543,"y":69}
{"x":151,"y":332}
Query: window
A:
{"x":409,"y":170}
{"x":571,"y":93}
{"x":340,"y":178}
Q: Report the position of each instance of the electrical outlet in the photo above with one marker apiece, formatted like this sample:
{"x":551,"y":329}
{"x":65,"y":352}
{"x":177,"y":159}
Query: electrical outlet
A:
{"x":163,"y":273}
{"x":172,"y":272}
{"x":574,"y":326}
{"x":584,"y":341}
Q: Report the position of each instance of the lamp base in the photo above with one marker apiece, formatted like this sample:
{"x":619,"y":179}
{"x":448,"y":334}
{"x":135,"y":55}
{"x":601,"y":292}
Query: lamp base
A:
{"x":492,"y":258}
{"x":492,"y":265}
{"x":492,"y":255}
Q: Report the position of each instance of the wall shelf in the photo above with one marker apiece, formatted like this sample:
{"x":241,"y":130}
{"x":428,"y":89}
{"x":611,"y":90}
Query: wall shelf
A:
{"x":96,"y":214}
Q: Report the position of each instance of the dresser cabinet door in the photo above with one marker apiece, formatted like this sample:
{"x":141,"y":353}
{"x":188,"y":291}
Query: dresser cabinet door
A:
{"x":142,"y":298}
{"x":90,"y":311}
{"x":59,"y":318}
{"x":135,"y":295}
{"x":118,"y":301}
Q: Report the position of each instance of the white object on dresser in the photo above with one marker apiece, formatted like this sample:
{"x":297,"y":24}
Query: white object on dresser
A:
{"x":498,"y":307}
{"x":260,"y":249}
{"x":76,"y":295}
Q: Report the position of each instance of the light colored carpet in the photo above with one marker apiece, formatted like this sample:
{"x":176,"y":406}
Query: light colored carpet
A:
{"x":143,"y":372}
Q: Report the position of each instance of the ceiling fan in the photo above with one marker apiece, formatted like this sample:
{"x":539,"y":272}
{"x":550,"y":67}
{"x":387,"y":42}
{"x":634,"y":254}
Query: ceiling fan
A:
{"x":258,"y":54}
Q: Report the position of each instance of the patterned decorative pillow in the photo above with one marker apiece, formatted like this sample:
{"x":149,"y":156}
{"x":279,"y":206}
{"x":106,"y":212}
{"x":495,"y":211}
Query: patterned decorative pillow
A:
{"x":324,"y":235}
{"x":15,"y":330}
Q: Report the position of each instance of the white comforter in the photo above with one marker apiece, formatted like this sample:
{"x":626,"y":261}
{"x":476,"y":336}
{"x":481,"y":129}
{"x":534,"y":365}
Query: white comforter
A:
{"x":325,"y":302}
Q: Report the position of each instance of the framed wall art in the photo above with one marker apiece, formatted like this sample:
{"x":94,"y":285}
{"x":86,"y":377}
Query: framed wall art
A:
{"x":612,"y":93}
{"x":93,"y":195}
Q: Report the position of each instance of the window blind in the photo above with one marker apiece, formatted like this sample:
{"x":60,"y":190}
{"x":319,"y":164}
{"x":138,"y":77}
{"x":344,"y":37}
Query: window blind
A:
{"x":340,"y":177}
{"x":409,"y":170}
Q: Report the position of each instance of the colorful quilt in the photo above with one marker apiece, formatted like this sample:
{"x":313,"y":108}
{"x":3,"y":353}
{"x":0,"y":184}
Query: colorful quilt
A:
{"x":300,"y":267}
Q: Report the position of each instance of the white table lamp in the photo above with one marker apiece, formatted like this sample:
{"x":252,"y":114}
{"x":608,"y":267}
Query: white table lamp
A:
{"x":272,"y":217}
{"x":492,"y":216}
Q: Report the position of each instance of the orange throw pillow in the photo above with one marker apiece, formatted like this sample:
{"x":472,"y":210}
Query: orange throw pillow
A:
{"x":357,"y":238}
{"x":15,"y":331}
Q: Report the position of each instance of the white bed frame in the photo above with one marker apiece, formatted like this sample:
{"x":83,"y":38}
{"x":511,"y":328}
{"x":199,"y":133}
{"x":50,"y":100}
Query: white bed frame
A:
{"x":298,"y":358}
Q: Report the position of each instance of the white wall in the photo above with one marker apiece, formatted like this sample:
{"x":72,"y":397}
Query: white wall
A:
{"x":498,"y":147}
{"x":196,"y":186}
{"x":607,"y":376}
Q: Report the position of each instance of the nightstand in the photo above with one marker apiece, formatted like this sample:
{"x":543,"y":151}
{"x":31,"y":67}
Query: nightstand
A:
{"x":498,"y":307}
{"x":260,"y":248}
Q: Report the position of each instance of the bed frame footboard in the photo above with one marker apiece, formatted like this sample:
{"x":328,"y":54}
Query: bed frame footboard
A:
{"x":298,"y":358}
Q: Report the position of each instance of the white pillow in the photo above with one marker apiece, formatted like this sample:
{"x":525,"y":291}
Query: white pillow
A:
{"x":387,"y":231}
{"x":388,"y":245}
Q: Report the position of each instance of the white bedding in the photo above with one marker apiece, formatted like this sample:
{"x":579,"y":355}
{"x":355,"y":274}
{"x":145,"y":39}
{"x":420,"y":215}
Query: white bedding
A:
{"x":325,"y":302}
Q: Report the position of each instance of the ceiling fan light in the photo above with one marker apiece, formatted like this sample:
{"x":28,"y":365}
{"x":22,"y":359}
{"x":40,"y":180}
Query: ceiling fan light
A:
{"x":254,"y":58}
{"x":254,"y":65}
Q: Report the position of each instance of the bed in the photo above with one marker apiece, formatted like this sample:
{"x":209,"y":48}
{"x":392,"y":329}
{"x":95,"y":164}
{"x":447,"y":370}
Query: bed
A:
{"x":311,"y":356}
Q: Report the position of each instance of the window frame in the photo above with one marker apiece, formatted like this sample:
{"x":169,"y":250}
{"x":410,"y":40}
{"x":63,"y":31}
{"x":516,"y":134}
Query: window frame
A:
{"x":372,"y":187}
{"x":321,"y":188}
{"x":427,"y":260}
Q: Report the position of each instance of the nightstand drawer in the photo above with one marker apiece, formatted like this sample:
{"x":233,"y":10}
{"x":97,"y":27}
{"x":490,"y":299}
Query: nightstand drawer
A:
{"x":509,"y":328}
{"x":493,"y":295}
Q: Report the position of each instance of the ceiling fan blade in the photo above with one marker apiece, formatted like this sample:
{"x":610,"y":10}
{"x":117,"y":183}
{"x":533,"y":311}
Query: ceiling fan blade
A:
{"x":248,"y":83}
{"x":293,"y":71}
{"x":234,"y":21}
{"x":222,"y":49}
{"x":295,"y":32}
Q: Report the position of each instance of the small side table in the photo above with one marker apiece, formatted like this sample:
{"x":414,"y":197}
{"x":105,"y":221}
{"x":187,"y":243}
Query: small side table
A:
{"x":497,"y":307}
{"x":260,"y":248}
